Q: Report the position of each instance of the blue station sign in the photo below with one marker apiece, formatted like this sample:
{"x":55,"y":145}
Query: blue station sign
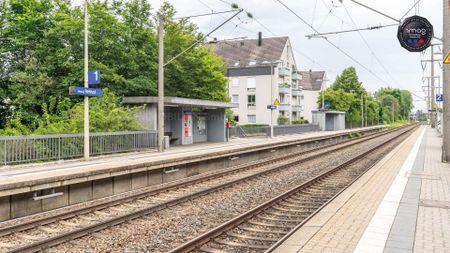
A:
{"x":87,"y":92}
{"x":94,"y":76}
{"x":439,"y":98}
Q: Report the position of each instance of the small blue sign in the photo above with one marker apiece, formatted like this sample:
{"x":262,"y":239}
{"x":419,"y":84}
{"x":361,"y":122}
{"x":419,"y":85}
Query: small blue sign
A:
{"x":82,"y":91}
{"x":94,"y":76}
{"x":271,"y":107}
{"x":326,"y":104}
{"x":439,"y":98}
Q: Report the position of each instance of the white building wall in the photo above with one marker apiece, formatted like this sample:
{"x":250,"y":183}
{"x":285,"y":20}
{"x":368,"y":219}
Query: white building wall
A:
{"x":263,"y":94}
{"x":310,"y":103}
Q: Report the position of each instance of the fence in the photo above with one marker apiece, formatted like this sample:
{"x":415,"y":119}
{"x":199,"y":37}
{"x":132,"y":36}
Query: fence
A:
{"x":19,"y":149}
{"x":248,"y":131}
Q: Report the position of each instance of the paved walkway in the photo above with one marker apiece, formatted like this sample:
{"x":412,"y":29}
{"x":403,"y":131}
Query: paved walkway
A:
{"x":400,"y":205}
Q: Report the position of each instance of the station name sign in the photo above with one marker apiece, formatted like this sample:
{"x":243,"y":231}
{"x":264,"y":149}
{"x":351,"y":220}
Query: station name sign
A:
{"x":82,"y":91}
{"x":415,"y":34}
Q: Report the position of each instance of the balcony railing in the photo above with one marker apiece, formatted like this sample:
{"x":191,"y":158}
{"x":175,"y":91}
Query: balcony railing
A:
{"x":297,"y":92}
{"x":296,"y":76}
{"x":283,"y":71}
{"x":284,"y":88}
{"x":284,"y":107}
{"x":297,"y":108}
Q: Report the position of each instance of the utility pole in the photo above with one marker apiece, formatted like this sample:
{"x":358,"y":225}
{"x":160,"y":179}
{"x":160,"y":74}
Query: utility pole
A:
{"x":160,"y":84}
{"x":86,"y":81}
{"x":446,"y":85}
{"x":433,"y":96}
{"x":362,"y":110}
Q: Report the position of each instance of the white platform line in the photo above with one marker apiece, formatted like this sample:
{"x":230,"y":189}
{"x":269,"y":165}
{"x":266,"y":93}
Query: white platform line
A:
{"x":376,"y":234}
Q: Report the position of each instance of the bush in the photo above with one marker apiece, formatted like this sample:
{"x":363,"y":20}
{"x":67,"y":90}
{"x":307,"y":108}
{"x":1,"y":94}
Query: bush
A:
{"x":283,"y":120}
{"x":253,"y":125}
{"x":299,"y":121}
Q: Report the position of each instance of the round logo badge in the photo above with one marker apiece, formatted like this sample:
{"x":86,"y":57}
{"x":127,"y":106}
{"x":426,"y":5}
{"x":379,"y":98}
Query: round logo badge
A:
{"x":415,"y":33}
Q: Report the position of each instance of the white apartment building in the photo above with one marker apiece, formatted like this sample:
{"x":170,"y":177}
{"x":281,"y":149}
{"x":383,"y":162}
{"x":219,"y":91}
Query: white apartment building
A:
{"x":312,"y":83}
{"x":260,"y":71}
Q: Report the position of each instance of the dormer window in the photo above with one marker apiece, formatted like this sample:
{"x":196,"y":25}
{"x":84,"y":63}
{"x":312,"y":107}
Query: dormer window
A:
{"x":236,"y":64}
{"x":252,"y":63}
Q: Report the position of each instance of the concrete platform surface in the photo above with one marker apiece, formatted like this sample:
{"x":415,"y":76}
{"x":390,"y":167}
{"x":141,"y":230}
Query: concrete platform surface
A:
{"x":12,"y":177}
{"x":401,"y":205}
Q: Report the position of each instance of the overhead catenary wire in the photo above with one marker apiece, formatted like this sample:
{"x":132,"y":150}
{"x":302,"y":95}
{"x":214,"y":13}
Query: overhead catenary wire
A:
{"x":331,"y":43}
{"x":203,"y":37}
{"x":294,"y":49}
{"x":368,"y":45}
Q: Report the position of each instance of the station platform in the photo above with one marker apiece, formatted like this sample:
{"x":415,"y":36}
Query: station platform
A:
{"x":401,"y":205}
{"x":29,"y":177}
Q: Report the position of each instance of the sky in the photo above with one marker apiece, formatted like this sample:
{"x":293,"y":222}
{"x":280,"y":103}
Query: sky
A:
{"x":379,"y":59}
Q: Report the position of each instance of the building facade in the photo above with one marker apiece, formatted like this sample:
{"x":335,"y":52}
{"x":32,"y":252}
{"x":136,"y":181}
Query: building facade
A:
{"x":259,"y":72}
{"x":312,"y":82}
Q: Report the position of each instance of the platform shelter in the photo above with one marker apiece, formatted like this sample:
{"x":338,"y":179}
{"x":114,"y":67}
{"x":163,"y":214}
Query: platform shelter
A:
{"x":186,"y":121}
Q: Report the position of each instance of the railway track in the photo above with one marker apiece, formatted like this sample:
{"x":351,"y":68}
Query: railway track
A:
{"x":264,"y":227}
{"x":45,"y":233}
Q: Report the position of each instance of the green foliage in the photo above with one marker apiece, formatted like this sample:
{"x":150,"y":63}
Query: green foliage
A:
{"x":347,"y":94}
{"x":41,"y":55}
{"x":105,"y":115}
{"x":230,"y":116}
{"x":282,"y":120}
{"x":299,"y":121}
{"x":252,"y":125}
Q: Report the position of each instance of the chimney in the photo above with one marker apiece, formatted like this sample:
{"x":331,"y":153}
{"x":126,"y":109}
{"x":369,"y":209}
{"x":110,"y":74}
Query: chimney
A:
{"x":259,"y":39}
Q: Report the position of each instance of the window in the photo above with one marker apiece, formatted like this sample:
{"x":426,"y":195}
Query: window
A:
{"x":251,"y":102}
{"x":252,"y":63}
{"x":236,"y":118}
{"x":234,"y":82}
{"x":251,"y":84}
{"x":201,"y":125}
{"x":251,"y":118}
{"x":235,"y":99}
{"x":302,"y":97}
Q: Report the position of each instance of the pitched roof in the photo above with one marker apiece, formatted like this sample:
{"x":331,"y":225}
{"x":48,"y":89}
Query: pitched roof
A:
{"x":312,"y":80}
{"x":247,"y":50}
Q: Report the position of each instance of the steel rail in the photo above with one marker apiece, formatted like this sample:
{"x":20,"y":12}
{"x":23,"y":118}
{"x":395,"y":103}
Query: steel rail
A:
{"x":173,"y":185}
{"x":197,"y":242}
{"x":55,"y":240}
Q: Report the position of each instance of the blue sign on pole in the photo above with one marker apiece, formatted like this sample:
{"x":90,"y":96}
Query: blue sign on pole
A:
{"x":439,"y":98}
{"x":94,"y":76}
{"x":326,"y":104}
{"x":82,"y":91}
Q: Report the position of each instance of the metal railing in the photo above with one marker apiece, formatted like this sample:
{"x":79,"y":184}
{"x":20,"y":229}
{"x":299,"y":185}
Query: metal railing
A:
{"x":21,"y":149}
{"x":250,"y":131}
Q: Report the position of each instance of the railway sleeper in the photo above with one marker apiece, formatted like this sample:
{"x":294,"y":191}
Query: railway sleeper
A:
{"x":242,"y":245}
{"x":263,"y":224}
{"x":248,"y":237}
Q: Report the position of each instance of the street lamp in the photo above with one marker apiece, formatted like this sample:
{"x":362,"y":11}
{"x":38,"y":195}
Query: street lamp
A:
{"x":272,"y":65}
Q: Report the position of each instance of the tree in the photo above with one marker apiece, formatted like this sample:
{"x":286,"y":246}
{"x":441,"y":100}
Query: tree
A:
{"x":348,"y":82}
{"x":41,"y":55}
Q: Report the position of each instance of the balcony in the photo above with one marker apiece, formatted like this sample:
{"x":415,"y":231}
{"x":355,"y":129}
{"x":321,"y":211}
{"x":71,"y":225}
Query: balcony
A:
{"x":284,"y":88}
{"x":297,"y":92}
{"x":284,"y":107}
{"x":297,"y":108}
{"x":283,"y":71}
{"x":296,"y":76}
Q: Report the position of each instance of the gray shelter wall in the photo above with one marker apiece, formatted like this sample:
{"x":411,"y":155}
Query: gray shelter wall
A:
{"x":147,"y":117}
{"x":329,"y":120}
{"x":216,"y":125}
